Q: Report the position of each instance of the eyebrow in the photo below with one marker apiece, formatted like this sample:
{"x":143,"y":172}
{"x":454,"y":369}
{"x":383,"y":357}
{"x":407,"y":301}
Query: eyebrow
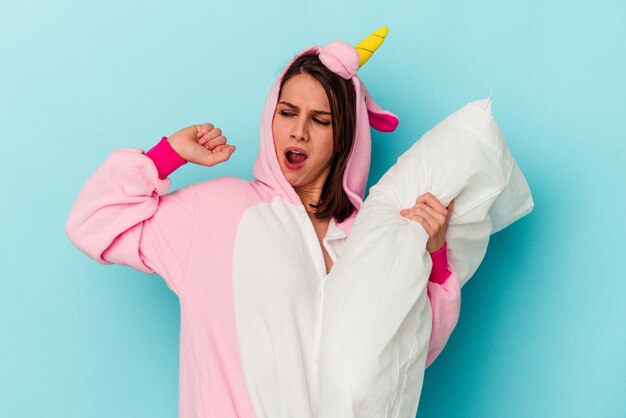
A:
{"x":293,"y":106}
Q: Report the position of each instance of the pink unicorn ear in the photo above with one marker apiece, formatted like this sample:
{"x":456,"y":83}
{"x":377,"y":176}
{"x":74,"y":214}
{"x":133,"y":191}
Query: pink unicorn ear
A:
{"x":380,"y":119}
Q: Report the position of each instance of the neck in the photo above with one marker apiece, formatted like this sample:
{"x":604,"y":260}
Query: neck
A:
{"x":309,"y":195}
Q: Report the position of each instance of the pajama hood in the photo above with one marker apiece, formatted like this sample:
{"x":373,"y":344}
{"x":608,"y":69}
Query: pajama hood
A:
{"x":344,"y":60}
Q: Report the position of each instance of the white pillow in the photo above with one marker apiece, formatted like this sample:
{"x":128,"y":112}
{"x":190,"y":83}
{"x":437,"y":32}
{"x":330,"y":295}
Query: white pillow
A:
{"x":377,"y":318}
{"x":464,"y":155}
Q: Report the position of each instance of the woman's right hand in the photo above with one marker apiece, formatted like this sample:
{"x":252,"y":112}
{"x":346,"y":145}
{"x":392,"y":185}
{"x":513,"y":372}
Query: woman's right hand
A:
{"x":201,"y":144}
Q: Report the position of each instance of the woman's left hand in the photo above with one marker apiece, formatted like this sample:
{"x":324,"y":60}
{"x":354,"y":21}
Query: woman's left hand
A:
{"x":433,"y":216}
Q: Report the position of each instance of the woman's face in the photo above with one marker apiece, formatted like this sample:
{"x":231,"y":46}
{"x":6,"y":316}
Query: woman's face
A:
{"x":303,"y":132}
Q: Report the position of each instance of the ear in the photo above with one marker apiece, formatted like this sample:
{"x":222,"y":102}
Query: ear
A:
{"x":380,"y":119}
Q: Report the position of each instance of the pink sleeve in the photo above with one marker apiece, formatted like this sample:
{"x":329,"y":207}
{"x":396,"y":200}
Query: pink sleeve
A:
{"x":444,"y":294}
{"x":165,"y":158}
{"x":123,"y":215}
{"x":440,"y":271}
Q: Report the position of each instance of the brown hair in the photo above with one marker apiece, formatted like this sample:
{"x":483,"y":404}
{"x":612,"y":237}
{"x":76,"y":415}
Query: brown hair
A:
{"x":334,"y":201}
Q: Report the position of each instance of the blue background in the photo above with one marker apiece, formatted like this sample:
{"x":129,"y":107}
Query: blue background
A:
{"x":542,"y":330}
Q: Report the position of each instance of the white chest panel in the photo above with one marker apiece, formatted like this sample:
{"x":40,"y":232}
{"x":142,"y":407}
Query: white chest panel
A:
{"x":278,"y":273}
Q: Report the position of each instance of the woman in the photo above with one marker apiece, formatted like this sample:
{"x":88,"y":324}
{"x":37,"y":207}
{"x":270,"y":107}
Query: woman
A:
{"x":247,"y":259}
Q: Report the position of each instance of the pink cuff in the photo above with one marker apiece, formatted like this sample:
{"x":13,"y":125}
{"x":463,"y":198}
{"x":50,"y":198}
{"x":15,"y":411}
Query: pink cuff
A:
{"x":165,"y":158}
{"x":440,"y":272}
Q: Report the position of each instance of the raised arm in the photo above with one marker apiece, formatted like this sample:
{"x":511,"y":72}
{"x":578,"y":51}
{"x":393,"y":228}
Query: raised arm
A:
{"x":123,"y":214}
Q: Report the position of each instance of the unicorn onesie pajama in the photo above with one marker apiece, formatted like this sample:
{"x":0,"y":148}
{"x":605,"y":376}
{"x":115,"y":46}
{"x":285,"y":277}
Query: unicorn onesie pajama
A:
{"x":244,"y":260}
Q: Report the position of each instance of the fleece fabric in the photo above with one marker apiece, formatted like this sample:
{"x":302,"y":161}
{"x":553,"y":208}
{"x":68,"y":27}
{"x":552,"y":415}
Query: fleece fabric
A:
{"x":244,"y":260}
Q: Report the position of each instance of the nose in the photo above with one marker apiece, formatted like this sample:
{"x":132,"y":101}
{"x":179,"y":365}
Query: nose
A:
{"x":299,"y":129}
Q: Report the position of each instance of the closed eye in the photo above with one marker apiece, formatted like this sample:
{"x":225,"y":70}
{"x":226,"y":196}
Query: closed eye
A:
{"x":289,"y":114}
{"x":321,"y":122}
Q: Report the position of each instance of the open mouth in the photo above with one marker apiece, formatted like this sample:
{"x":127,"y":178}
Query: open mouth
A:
{"x":294,"y":158}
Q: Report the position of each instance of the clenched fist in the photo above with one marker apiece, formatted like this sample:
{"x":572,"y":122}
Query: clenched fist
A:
{"x":201,"y":144}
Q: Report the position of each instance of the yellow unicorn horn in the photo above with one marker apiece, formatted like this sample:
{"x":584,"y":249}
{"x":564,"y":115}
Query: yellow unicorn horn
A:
{"x":370,"y":44}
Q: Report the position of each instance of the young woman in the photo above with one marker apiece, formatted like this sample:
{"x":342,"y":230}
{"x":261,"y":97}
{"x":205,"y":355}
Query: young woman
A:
{"x":247,"y":259}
